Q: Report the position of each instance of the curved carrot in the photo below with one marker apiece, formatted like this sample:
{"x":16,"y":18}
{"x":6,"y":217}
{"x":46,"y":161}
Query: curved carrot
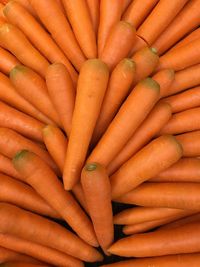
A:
{"x":93,"y":6}
{"x":140,"y":101}
{"x":20,"y":17}
{"x":153,"y":123}
{"x":190,"y":143}
{"x":92,"y":84}
{"x":60,"y":29}
{"x":7,"y":168}
{"x":8,"y":61}
{"x":118,"y":44}
{"x":62,"y":93}
{"x":119,"y":85}
{"x":138,"y":44}
{"x":159,"y":19}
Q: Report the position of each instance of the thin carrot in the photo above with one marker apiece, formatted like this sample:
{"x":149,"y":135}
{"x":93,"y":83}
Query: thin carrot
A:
{"x":62,"y":93}
{"x":23,"y":264}
{"x":33,"y":88}
{"x":138,"y":44}
{"x":138,"y":11}
{"x":159,"y":19}
{"x":60,"y":29}
{"x":20,"y":17}
{"x":153,"y":123}
{"x":190,"y":143}
{"x":8,"y":61}
{"x":92,"y":84}
{"x":26,"y":4}
{"x":7,"y":168}
{"x":79,"y":195}
{"x":93,"y":6}
{"x":107,"y":20}
{"x":185,"y":22}
{"x":34,"y":170}
{"x":119,"y":85}
{"x":97,"y":191}
{"x":118,"y":44}
{"x":125,"y":5}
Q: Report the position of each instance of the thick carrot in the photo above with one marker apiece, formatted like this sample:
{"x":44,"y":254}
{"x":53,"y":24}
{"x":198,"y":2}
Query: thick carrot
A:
{"x":20,"y":17}
{"x":119,"y":85}
{"x":153,"y":123}
{"x":138,"y":11}
{"x":185,"y":100}
{"x":118,"y":44}
{"x":93,"y":6}
{"x":138,"y":44}
{"x":8,"y":61}
{"x":7,"y":168}
{"x":190,"y":143}
{"x":148,"y":162}
{"x":182,"y":240}
{"x":146,"y":60}
{"x":34,"y":170}
{"x":184,"y":170}
{"x":22,"y":264}
{"x":20,"y":122}
{"x":33,"y":88}
{"x":159,"y":19}
{"x":22,"y":48}
{"x":185,"y":22}
{"x":97,"y":191}
{"x":60,"y":29}
{"x":62,"y":93}
{"x":140,"y":101}
{"x":107,"y":20}
{"x":79,"y":17}
{"x":92,"y":84}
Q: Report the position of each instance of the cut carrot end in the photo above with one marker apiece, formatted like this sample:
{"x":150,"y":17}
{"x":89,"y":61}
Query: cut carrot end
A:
{"x":47,"y":128}
{"x":129,"y":63}
{"x":154,"y":50}
{"x":91,"y":166}
{"x":151,"y":83}
{"x":20,"y":154}
{"x":14,"y":71}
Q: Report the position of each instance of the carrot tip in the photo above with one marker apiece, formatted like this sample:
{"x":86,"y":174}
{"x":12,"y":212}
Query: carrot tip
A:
{"x":91,"y":166}
{"x":154,"y":50}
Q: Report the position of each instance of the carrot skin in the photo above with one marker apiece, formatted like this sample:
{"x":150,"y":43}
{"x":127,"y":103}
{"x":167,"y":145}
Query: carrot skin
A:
{"x":190,"y":143}
{"x":93,"y":6}
{"x":6,"y":167}
{"x":8,"y":61}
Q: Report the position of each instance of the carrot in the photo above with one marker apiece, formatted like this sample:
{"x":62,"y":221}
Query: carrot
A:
{"x":26,"y":4}
{"x":79,"y":195}
{"x":182,"y":240}
{"x":118,"y":44}
{"x":79,"y":17}
{"x":185,"y":100}
{"x":8,"y":61}
{"x":182,"y":57}
{"x":20,"y":122}
{"x":153,"y":123}
{"x":21,"y":18}
{"x":138,"y":44}
{"x":93,"y":6}
{"x":138,"y":11}
{"x":119,"y":85}
{"x":107,"y":20}
{"x":146,"y":60}
{"x":33,"y":88}
{"x":62,"y":93}
{"x":184,"y":170}
{"x":125,"y":5}
{"x":140,"y":101}
{"x":190,"y":143}
{"x":152,"y":159}
{"x":35,"y":228}
{"x":60,"y":29}
{"x":159,"y":19}
{"x":97,"y":191}
{"x":185,"y":22}
{"x":91,"y":88}
{"x":43,"y":253}
{"x":7,"y":168}
{"x":33,"y":169}
{"x":23,"y":264}
{"x":22,"y":48}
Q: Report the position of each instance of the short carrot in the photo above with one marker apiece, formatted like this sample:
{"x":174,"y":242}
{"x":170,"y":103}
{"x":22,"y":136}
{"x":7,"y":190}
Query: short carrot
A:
{"x":60,"y":29}
{"x":97,"y":191}
{"x":153,"y":123}
{"x":62,"y":93}
{"x":34,"y":169}
{"x":6,"y":167}
{"x":8,"y":61}
{"x":140,"y":101}
{"x":118,"y":88}
{"x":118,"y":44}
{"x":158,"y":155}
{"x":190,"y":143}
{"x":92,"y":84}
{"x":93,"y":6}
{"x":138,"y":44}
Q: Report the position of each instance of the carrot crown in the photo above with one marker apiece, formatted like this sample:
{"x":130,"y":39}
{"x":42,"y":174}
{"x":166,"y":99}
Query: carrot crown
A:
{"x":20,"y":155}
{"x":154,"y":50}
{"x":91,"y":166}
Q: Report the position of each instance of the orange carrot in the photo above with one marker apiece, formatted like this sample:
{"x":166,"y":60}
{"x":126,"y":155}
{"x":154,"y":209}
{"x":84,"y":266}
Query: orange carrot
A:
{"x":26,"y":4}
{"x":119,"y":85}
{"x":34,"y":170}
{"x":156,"y":119}
{"x":118,"y":44}
{"x":79,"y":195}
{"x":79,"y":17}
{"x":140,"y":101}
{"x":23,"y":264}
{"x":91,"y":88}
{"x":190,"y":143}
{"x":33,"y":88}
{"x":138,"y":44}
{"x":7,"y":168}
{"x":8,"y":61}
{"x":138,"y":11}
{"x":20,"y":17}
{"x":62,"y":93}
{"x":159,"y":19}
{"x":107,"y":20}
{"x":22,"y":48}
{"x":93,"y":6}
{"x":60,"y":29}
{"x":125,"y":5}
{"x":97,"y":191}
{"x":186,"y":21}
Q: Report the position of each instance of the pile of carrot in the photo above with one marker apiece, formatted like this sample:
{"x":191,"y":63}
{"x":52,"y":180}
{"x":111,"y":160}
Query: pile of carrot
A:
{"x":99,"y":108}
